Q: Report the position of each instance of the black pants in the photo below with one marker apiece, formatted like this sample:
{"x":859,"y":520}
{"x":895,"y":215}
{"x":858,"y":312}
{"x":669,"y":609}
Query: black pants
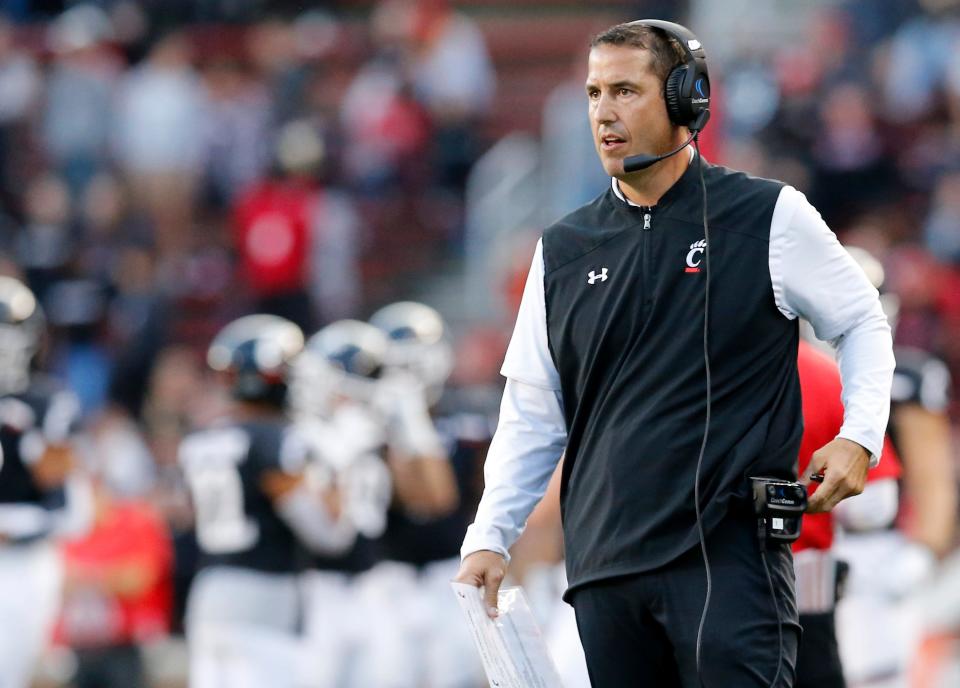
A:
{"x":818,"y":662}
{"x":110,"y":667}
{"x":640,"y":631}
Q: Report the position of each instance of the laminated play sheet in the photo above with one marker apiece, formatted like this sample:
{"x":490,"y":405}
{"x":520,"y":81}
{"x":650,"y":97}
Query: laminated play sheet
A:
{"x":511,"y":647}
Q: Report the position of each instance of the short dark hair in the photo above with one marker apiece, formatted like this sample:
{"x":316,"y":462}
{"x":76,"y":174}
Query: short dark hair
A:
{"x":665,"y":52}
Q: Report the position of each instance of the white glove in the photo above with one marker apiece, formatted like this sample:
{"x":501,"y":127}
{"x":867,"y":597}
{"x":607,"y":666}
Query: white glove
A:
{"x":886,"y":563}
{"x":402,"y":401}
{"x":872,"y":510}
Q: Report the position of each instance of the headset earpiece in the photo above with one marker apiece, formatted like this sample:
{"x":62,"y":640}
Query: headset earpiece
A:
{"x":687,"y":88}
{"x":671,"y":94}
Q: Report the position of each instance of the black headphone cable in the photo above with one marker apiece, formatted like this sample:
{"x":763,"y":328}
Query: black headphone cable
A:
{"x":706,"y":428}
{"x":703,"y":446}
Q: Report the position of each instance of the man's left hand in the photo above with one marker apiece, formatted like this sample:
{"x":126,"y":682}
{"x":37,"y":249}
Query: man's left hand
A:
{"x":844,"y":465}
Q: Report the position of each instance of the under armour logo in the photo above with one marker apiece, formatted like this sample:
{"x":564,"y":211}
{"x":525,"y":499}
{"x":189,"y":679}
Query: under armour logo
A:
{"x":593,"y":276}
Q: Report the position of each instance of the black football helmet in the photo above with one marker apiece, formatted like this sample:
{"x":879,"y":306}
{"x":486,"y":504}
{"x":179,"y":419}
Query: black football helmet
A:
{"x":22,"y":326}
{"x":418,"y":343}
{"x":255,"y":352}
{"x":345,"y":359}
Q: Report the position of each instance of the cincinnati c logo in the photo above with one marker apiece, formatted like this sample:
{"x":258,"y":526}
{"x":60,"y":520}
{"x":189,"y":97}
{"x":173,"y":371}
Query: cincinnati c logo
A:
{"x":695,"y":255}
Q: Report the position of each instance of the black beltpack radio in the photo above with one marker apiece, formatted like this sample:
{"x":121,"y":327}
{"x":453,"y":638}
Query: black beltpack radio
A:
{"x":779,"y":506}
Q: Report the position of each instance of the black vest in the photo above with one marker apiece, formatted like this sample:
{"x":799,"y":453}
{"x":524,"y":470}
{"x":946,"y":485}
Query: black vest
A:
{"x":624,"y":310}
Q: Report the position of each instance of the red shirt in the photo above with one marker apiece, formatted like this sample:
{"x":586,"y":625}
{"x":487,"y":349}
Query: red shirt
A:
{"x":272,"y":224}
{"x":822,"y":417}
{"x":92,"y":616}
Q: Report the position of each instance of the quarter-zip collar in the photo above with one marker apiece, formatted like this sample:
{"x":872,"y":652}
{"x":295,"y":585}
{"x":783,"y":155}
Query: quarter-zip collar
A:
{"x":687,"y":180}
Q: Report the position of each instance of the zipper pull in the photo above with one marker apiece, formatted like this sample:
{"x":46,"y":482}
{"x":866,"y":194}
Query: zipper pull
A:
{"x":646,"y":220}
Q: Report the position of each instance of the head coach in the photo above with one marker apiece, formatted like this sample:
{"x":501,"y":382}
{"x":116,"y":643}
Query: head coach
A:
{"x":656,"y":346}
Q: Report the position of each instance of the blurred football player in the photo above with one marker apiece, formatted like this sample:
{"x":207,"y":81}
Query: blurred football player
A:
{"x":879,"y":626}
{"x":41,"y":492}
{"x":333,"y":387}
{"x":253,"y":510}
{"x":430,"y":514}
{"x":819,"y":573}
{"x":370,"y":417}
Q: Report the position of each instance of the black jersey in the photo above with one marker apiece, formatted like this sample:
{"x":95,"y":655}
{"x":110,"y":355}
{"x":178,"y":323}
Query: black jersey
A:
{"x":365,"y":486}
{"x":418,"y":541}
{"x":920,"y":378}
{"x":364,"y":554}
{"x":349,"y":450}
{"x":236,"y":524}
{"x":30,"y":421}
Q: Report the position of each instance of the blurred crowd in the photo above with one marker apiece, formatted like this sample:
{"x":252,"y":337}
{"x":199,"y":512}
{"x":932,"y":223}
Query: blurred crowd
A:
{"x":149,"y":169}
{"x":862,"y":112}
{"x":162,"y":175}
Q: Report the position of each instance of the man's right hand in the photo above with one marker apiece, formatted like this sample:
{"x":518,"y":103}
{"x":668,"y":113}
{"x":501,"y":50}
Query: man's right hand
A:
{"x":484,"y":569}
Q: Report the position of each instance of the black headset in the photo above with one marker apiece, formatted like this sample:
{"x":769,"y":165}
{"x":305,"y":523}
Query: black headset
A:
{"x":687,"y":88}
{"x":686,"y":91}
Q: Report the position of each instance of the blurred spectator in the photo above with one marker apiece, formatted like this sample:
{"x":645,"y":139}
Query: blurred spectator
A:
{"x":572,"y":174}
{"x":272,"y":50}
{"x":387,"y":129}
{"x":162,"y":118}
{"x":20,"y":87}
{"x":851,"y":170}
{"x":297,"y":241}
{"x":122,"y":459}
{"x":138,"y":323}
{"x":942,"y":227}
{"x":201,"y":293}
{"x":454,"y":78}
{"x":117,"y":592}
{"x":914,"y":276}
{"x":239,"y":140}
{"x":920,"y":58}
{"x":874,"y":20}
{"x":45,"y":243}
{"x":80,"y":88}
{"x":288,"y":56}
{"x":75,"y":310}
{"x":106,"y":226}
{"x":336,"y":238}
{"x":179,"y":399}
{"x":752,"y":97}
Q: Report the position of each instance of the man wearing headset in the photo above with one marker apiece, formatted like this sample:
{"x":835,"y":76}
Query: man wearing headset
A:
{"x":607,"y":364}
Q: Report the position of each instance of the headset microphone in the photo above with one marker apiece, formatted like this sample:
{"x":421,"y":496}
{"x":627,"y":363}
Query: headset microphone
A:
{"x":635,"y":163}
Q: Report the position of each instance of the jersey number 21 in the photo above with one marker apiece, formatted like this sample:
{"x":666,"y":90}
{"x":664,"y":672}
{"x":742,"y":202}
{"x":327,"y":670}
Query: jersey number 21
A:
{"x":211,"y":461}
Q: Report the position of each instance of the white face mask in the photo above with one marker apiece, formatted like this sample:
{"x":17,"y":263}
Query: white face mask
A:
{"x":17,"y":348}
